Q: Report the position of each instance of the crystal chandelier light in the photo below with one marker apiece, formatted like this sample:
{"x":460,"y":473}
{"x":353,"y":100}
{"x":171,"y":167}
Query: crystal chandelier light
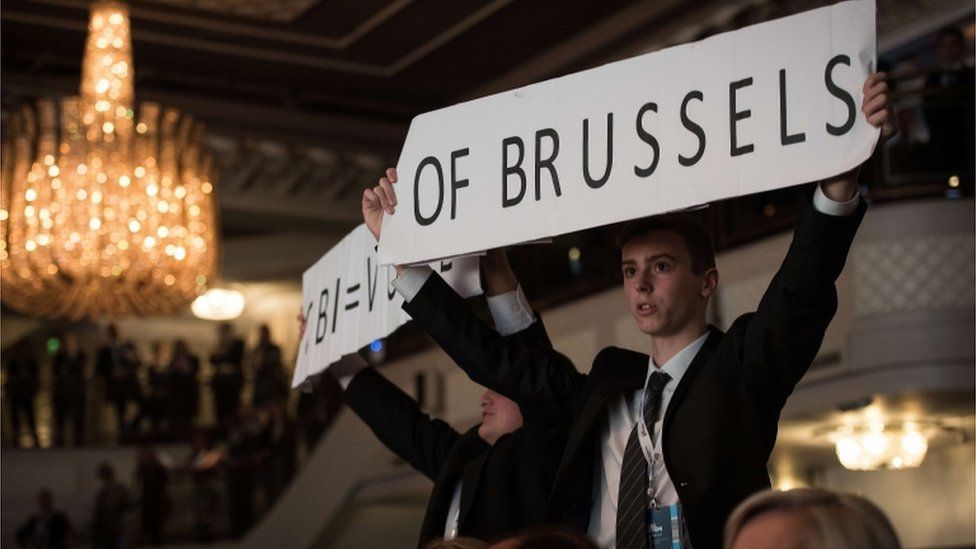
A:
{"x":877,"y":445}
{"x":104,"y":211}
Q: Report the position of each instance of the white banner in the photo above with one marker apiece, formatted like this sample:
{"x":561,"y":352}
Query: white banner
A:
{"x":348,"y":301}
{"x":768,"y":106}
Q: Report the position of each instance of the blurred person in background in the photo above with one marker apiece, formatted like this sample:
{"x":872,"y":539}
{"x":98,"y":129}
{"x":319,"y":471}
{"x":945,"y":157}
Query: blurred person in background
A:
{"x":109,"y":511}
{"x":269,"y":379}
{"x":203,"y":464}
{"x":247,"y":446}
{"x":47,"y":528}
{"x":154,"y":503}
{"x":318,"y":405}
{"x":158,"y":396}
{"x":118,"y":367}
{"x":948,"y":106}
{"x":184,"y":398}
{"x":228,"y":375}
{"x":68,"y":367}
{"x":806,"y":518}
{"x":279,"y":464}
{"x":20,"y":388}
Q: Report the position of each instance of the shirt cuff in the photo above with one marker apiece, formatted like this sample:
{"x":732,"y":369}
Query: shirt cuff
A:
{"x":825,"y":205}
{"x":409,"y":283}
{"x":510,"y":311}
{"x":347,"y":368}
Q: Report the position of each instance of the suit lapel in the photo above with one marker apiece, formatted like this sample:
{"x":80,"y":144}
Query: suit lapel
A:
{"x":469,"y":484}
{"x":711,"y":343}
{"x":469,"y":448}
{"x":622,"y":371}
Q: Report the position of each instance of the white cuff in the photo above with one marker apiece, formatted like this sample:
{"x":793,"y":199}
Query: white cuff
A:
{"x":825,"y":205}
{"x":347,"y":368}
{"x":510,"y":311}
{"x":409,"y":282}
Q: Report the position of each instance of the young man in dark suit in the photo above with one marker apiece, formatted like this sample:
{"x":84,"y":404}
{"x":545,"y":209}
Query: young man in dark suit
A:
{"x":494,"y":479}
{"x":665,"y":445}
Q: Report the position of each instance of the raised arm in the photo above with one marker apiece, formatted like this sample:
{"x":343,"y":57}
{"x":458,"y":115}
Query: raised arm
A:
{"x":394,"y":417}
{"x":522,"y":366}
{"x":783,"y":336}
{"x":398,"y":422}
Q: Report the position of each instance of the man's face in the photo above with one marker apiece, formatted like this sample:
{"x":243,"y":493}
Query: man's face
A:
{"x":664,"y":296}
{"x":499,"y":416}
{"x":951,"y":49}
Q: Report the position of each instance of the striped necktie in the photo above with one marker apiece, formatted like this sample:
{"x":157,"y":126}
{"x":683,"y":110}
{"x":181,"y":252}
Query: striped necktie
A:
{"x":632,"y":496}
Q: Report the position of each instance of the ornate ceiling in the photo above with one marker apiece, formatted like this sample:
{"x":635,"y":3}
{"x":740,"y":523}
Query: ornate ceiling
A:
{"x":307,"y":100}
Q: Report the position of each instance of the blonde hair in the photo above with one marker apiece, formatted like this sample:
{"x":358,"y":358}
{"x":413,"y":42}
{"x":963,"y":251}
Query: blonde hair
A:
{"x":840,"y":521}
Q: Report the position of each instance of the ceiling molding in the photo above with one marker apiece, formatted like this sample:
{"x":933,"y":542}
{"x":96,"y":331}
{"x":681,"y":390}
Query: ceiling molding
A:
{"x":274,"y":55}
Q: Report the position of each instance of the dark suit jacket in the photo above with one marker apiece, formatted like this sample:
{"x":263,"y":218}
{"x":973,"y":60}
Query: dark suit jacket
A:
{"x":720,"y":425}
{"x":504,"y":487}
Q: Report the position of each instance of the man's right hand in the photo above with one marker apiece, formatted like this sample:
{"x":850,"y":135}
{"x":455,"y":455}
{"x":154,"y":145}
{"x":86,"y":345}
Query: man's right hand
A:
{"x":379,"y":199}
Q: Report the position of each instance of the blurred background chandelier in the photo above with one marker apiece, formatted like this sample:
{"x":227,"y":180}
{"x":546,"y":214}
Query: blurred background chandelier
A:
{"x":105,"y":212}
{"x":876,"y":445}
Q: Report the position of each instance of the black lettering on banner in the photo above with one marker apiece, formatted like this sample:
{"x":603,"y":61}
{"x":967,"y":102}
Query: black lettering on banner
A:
{"x":446,"y":266}
{"x":784,"y":137}
{"x":351,"y":290}
{"x":455,"y":182}
{"x":646,"y":137}
{"x":841,"y":94}
{"x":597,"y":183}
{"x":308,"y":315}
{"x":429,"y":161}
{"x":735,"y":116}
{"x":390,"y":290}
{"x":546,"y":163}
{"x":335,"y":305}
{"x":512,"y":170}
{"x":371,"y":282}
{"x":693,"y":128}
{"x":322,"y":322}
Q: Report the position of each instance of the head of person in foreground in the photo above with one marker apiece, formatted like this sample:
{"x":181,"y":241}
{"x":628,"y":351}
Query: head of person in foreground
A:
{"x":808,"y":518}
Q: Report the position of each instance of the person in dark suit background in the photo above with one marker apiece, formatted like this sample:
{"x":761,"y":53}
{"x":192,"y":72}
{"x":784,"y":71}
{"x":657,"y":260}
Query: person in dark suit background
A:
{"x":493,"y":479}
{"x":228,"y":376}
{"x":671,"y":441}
{"x":46,"y":529}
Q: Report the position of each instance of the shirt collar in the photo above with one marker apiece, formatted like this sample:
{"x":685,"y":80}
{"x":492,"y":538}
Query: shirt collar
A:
{"x":679,"y":363}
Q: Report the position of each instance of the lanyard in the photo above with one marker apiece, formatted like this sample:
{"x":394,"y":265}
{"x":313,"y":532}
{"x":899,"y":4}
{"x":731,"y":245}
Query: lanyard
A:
{"x":651,"y":455}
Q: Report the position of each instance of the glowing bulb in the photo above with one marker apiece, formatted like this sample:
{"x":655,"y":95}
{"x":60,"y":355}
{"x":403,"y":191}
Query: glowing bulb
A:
{"x":30,"y":195}
{"x":914,"y":443}
{"x":95,"y":223}
{"x":102,"y":85}
{"x":124,"y":181}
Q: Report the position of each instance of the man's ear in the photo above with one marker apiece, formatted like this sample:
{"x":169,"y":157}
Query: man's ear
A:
{"x":709,"y":282}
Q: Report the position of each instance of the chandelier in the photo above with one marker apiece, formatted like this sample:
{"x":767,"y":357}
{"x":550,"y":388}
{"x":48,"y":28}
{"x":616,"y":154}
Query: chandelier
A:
{"x":104,"y":211}
{"x":876,"y":445}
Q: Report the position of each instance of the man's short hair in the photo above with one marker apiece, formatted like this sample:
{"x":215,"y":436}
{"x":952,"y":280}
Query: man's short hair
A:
{"x":953,"y":32}
{"x":695,"y":235}
{"x":830,"y":519}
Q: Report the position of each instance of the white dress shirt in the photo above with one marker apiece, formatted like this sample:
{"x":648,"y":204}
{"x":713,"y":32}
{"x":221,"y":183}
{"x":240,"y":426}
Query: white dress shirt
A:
{"x":622,"y":413}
